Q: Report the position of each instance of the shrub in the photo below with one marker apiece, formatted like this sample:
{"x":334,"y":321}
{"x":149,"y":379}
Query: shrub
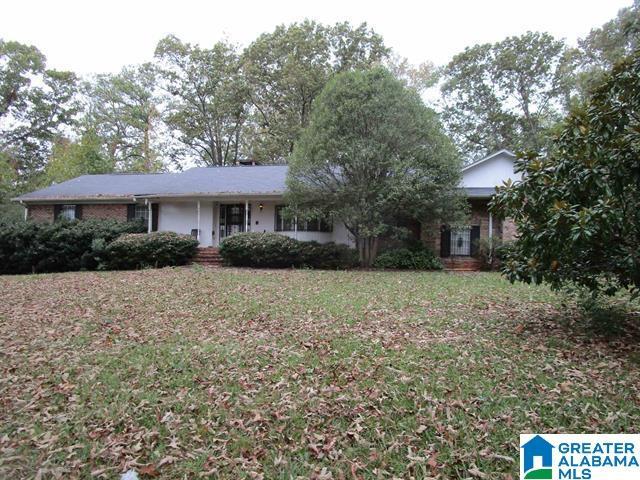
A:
{"x":254,"y":249}
{"x":272,"y":250}
{"x":143,"y":250}
{"x":27,"y":247}
{"x":408,"y":259}
{"x":328,"y":256}
{"x":488,"y":253}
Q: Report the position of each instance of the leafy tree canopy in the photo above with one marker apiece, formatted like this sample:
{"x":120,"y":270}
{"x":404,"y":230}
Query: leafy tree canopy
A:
{"x":123,"y":111}
{"x":71,"y":159}
{"x":286,"y":70}
{"x":577,"y":208}
{"x":371,"y":151}
{"x":603,"y":47}
{"x":206,"y":101}
{"x":35,"y":105}
{"x":506,"y":94}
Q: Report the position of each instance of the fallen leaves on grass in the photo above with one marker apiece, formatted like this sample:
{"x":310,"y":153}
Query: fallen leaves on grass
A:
{"x":329,"y":375}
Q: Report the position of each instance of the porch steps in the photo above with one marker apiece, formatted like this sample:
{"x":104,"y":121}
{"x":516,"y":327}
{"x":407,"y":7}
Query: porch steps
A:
{"x":461,"y":264}
{"x":209,"y":256}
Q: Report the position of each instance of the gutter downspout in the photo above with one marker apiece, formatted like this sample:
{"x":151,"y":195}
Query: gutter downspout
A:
{"x":490,"y":238}
{"x":490,"y":226}
{"x":26,"y":210}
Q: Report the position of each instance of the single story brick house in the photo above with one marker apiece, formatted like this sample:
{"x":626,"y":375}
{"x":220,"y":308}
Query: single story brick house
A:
{"x":212,"y":203}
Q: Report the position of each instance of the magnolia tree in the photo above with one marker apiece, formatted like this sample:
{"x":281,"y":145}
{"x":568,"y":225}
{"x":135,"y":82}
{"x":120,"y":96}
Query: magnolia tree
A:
{"x":373,"y":152}
{"x":578,"y":209}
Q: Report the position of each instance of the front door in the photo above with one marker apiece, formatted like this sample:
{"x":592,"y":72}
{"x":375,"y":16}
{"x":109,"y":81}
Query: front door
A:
{"x":232,"y":219}
{"x":461,"y":241}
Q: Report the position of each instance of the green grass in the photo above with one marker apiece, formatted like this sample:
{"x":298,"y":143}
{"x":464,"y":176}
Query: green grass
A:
{"x":226,"y":373}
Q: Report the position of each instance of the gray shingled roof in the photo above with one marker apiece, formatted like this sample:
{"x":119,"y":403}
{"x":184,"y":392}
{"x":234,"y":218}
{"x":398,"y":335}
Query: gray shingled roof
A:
{"x":205,"y":181}
{"x":254,"y":180}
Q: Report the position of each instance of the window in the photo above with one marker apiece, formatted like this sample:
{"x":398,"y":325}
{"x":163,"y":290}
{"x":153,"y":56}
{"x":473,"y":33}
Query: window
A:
{"x":283,"y":224}
{"x":68,"y":212}
{"x":141,"y":212}
{"x":313,"y":225}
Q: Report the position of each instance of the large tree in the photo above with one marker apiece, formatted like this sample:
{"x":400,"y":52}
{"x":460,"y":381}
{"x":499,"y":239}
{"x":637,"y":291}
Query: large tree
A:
{"x":287,"y":68}
{"x":577,"y":208}
{"x":123,"y":109}
{"x":506,"y":94}
{"x":70,"y":159}
{"x":372,"y":151}
{"x":206,"y":101}
{"x":36,"y":104}
{"x":603,"y":47}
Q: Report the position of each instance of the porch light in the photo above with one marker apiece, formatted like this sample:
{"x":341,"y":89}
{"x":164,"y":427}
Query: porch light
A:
{"x":260,"y":206}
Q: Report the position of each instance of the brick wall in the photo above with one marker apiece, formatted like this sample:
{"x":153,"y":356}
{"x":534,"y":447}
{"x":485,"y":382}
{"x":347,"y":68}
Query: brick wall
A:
{"x":105,"y":211}
{"x":44,"y":213}
{"x":40,"y":213}
{"x":479,"y":215}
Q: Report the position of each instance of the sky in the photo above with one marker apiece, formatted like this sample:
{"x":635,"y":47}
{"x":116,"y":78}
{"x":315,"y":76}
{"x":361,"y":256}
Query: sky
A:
{"x":94,"y":37}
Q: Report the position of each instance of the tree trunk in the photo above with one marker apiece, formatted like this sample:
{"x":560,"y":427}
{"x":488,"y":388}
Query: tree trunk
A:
{"x":367,"y":250}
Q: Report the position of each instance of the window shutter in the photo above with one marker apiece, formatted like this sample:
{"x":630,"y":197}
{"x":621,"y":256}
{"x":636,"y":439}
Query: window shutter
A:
{"x":131,"y":212}
{"x":56,"y":212}
{"x":154,"y":217}
{"x":475,"y":240}
{"x":78,"y":212}
{"x":445,"y":242}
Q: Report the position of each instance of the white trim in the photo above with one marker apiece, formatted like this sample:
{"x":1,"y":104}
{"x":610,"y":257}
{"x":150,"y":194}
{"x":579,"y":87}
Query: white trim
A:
{"x":227,"y":197}
{"x":485,"y":159}
{"x":78,"y":200}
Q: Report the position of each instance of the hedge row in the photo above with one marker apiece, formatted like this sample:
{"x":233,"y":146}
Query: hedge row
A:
{"x":142,"y":250}
{"x":408,"y":259}
{"x":28,"y":247}
{"x":272,"y":250}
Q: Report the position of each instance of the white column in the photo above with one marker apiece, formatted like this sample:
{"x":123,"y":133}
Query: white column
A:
{"x":26,"y":213}
{"x":216,"y":224}
{"x":295,"y":227}
{"x":246,"y":215}
{"x":150,"y":217}
{"x":198,"y":207}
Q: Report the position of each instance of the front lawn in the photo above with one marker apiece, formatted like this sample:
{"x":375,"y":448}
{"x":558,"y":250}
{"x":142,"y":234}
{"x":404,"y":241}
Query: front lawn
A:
{"x":223,"y":373}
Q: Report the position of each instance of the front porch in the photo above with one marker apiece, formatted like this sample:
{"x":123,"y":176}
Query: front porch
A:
{"x":212,"y":219}
{"x":458,"y":247}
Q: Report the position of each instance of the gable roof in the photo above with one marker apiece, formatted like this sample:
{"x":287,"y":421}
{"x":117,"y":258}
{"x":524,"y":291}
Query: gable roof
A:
{"x":260,"y":180}
{"x":504,"y":151}
{"x":243,"y":180}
